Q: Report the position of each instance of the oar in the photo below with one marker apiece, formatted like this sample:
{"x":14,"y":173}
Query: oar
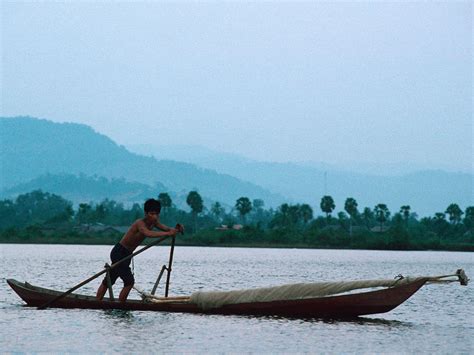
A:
{"x":62,"y":295}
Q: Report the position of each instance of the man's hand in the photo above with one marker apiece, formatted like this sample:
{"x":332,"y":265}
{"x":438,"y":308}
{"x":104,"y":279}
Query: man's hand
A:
{"x":180,"y":228}
{"x":172,"y":232}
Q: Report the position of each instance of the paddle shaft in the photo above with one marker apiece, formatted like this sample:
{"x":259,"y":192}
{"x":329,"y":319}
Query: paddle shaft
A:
{"x":49,"y":303}
{"x":169,"y":266}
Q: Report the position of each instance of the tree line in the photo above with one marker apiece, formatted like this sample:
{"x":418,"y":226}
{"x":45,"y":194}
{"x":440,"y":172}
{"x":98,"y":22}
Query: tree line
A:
{"x":248,"y":222}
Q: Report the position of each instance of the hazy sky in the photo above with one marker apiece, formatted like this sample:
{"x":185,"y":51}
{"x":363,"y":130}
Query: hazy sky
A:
{"x":335,"y":82}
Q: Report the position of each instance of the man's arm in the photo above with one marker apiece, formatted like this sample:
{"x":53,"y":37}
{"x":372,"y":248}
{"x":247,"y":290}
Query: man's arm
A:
{"x":163,"y":227}
{"x":142,"y":228}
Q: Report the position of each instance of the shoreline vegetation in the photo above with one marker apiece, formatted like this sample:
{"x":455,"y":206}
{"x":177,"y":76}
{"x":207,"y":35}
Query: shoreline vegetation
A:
{"x":235,"y":239}
{"x":42,"y":218}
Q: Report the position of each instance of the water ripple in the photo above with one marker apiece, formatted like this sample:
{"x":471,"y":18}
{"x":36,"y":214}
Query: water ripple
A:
{"x":437,"y":319}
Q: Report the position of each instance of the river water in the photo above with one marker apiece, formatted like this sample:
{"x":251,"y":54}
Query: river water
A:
{"x":437,"y":319}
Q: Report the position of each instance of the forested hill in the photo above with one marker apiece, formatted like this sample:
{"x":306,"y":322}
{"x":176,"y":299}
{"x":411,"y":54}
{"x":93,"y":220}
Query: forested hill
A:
{"x":34,"y":147}
{"x":84,"y":189}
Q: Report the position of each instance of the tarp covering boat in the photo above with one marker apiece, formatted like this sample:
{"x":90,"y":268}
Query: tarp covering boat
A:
{"x":208,"y":300}
{"x":216,"y":299}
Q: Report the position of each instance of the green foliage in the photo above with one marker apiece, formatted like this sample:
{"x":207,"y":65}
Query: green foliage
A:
{"x":291,"y":216}
{"x":405,"y":211}
{"x":244,"y":206}
{"x":327,"y":206}
{"x":165,"y":200}
{"x":281,"y":217}
{"x":194,"y":200}
{"x":36,"y":207}
{"x":381,"y":213}
{"x":367,"y":217}
{"x":398,"y":235}
{"x":454,"y":212}
{"x":41,"y":217}
{"x":469,"y":218}
{"x":7,"y":213}
{"x":217,"y":211}
{"x":350,"y":206}
{"x":305,"y":213}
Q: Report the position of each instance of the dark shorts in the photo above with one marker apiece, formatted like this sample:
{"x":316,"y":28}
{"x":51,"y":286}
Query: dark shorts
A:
{"x":123,"y":270}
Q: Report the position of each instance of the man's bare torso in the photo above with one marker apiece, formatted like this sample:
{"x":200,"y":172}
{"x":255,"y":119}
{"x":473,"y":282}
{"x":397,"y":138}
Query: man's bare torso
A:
{"x":133,"y":238}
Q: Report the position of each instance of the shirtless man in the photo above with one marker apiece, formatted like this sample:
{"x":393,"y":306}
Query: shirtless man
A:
{"x":139,"y":230}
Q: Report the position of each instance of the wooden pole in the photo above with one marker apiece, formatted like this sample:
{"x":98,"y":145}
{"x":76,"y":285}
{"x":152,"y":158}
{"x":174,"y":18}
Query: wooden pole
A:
{"x":158,"y":279}
{"x":169,"y":267}
{"x":49,"y":303}
{"x":109,"y":282}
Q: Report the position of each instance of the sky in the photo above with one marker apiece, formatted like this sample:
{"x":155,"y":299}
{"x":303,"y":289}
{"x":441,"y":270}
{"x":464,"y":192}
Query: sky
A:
{"x":345,"y":83}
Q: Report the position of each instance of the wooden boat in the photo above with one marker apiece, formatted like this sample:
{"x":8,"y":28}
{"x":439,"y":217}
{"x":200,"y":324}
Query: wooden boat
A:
{"x":339,"y":306}
{"x":275,"y":301}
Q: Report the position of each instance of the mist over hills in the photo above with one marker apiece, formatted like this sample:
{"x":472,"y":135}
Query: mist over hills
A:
{"x":427,"y":191}
{"x":82,"y":188}
{"x":38,"y":153}
{"x":33,"y":148}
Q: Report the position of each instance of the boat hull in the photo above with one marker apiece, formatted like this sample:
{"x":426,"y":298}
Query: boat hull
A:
{"x":350,"y":305}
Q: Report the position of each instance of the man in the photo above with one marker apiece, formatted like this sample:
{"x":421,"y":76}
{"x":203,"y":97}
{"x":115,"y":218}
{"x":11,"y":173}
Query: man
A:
{"x":139,"y":230}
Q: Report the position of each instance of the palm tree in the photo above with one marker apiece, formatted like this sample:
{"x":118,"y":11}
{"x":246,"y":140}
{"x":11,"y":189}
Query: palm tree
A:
{"x":469,"y":219}
{"x":217,"y":210}
{"x":294,"y":214}
{"x":351,"y":208}
{"x":284,"y":211}
{"x":244,"y":206}
{"x":100,"y":212}
{"x":306,"y":213}
{"x":84,"y":213}
{"x":381,"y":214}
{"x":327,"y":206}
{"x":342,"y":217}
{"x":258,"y":205}
{"x":286,"y":216}
{"x":454,"y":213}
{"x":367,"y":216}
{"x":440,"y":224}
{"x":194,"y":200}
{"x":405,"y":212}
{"x":165,"y":200}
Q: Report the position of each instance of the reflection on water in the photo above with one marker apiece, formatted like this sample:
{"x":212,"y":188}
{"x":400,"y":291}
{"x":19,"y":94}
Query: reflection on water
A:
{"x":354,"y":320}
{"x":118,"y":314}
{"x":380,"y":321}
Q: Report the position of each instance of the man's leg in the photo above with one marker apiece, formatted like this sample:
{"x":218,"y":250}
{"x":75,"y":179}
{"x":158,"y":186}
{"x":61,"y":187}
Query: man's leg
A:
{"x":124,"y":293}
{"x":128,"y":282}
{"x":103,"y":288}
{"x":101,"y":291}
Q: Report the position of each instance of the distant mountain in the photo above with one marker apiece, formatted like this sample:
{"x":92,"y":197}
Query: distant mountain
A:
{"x":32,"y":148}
{"x":426,"y":192}
{"x":80,"y":189}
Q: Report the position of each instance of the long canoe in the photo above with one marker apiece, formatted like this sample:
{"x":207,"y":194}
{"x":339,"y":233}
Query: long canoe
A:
{"x":341,"y":306}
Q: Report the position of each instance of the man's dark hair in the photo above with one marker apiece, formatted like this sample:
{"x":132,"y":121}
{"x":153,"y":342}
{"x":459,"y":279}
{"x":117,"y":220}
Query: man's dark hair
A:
{"x":152,"y":205}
